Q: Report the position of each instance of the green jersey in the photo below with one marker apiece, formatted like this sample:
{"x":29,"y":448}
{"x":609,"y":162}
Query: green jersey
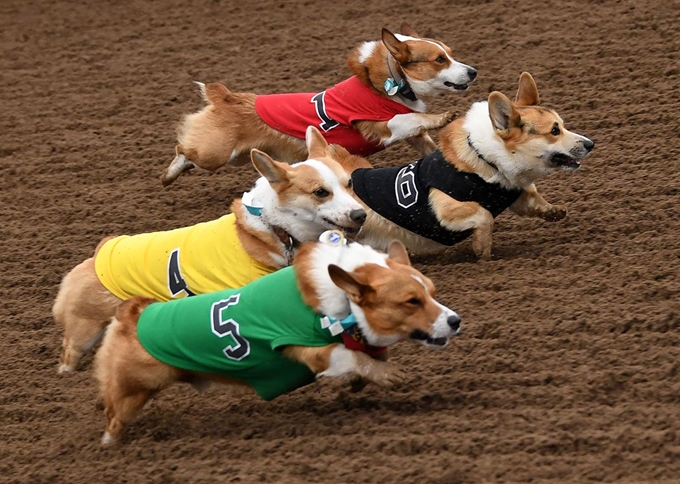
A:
{"x":238,"y":333}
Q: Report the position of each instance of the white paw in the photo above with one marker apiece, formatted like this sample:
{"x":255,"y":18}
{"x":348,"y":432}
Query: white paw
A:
{"x":64,"y":368}
{"x":107,"y":439}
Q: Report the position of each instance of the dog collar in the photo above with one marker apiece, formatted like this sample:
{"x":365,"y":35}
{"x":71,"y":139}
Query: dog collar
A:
{"x":396,"y":84}
{"x":480,"y":156}
{"x":352,"y":337}
{"x":289,"y":243}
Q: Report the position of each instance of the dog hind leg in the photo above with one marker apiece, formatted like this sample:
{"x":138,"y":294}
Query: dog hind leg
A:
{"x":75,"y":345}
{"x":84,"y":307}
{"x":120,"y":407}
{"x":179,"y":165}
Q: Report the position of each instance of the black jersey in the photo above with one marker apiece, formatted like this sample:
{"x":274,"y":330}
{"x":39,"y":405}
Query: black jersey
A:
{"x":401,"y":194}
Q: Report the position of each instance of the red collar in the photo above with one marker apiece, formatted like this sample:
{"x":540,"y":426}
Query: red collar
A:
{"x":354,"y":340}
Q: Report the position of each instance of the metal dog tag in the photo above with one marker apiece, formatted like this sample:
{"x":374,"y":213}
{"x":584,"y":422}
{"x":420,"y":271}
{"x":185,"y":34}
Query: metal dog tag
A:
{"x":333,"y":237}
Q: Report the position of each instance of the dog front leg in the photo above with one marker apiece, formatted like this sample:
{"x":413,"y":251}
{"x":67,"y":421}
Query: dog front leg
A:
{"x":532,"y":204}
{"x":423,"y":143}
{"x":459,"y":216}
{"x":336,"y":361}
{"x":404,"y":126}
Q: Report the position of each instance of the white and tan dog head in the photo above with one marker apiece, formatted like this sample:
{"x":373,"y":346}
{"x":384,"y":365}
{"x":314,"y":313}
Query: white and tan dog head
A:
{"x":305,"y":198}
{"x":524,"y":140}
{"x":391,"y":300}
{"x":428,"y":64}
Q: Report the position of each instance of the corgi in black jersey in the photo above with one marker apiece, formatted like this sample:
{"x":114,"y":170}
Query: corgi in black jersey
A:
{"x":487,"y":162}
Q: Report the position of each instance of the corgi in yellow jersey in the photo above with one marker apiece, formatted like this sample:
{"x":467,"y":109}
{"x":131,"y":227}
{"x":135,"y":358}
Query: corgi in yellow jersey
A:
{"x":288,"y":205}
{"x":206,"y":257}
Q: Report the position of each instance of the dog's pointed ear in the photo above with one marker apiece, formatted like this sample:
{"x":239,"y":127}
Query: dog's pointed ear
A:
{"x":398,"y":253}
{"x":354,"y":289}
{"x":527,"y":92}
{"x":407,"y":30}
{"x":274,"y":171}
{"x":317,"y":146}
{"x":399,"y":50}
{"x":503,"y":114}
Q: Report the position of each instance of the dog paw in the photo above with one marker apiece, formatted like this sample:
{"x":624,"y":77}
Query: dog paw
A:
{"x":108,"y":439}
{"x":555,"y":213}
{"x":387,"y":375}
{"x":64,"y":368}
{"x":481,"y":250}
{"x":449,"y":116}
{"x":357,"y":384}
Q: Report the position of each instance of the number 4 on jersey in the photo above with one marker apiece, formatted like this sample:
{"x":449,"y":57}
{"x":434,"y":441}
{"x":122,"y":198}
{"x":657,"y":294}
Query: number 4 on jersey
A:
{"x":176,"y":283}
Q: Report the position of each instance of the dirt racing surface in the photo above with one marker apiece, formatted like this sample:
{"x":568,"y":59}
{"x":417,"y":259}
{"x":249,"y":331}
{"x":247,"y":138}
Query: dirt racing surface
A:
{"x":568,"y":367}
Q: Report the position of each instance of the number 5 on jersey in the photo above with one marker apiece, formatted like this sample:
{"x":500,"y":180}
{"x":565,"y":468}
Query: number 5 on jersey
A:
{"x":221,"y":327}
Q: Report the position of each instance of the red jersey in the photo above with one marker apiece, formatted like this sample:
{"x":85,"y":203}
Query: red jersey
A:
{"x":332,"y":111}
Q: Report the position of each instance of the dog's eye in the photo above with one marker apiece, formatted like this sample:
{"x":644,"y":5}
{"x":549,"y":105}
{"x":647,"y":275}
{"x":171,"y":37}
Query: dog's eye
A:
{"x":321,"y":192}
{"x":440,"y":60}
{"x":414,"y":301}
{"x":350,"y":185}
{"x":555,"y":131}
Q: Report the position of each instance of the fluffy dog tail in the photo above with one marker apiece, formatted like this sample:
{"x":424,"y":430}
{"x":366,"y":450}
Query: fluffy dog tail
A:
{"x":215,"y":92}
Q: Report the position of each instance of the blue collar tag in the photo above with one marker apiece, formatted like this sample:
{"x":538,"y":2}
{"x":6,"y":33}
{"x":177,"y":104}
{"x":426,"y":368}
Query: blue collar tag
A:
{"x":257,"y":211}
{"x":392,"y":87}
{"x":337,"y":326}
{"x":247,"y":201}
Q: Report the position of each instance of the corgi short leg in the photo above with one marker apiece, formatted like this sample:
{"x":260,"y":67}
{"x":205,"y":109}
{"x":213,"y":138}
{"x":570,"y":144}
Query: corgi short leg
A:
{"x":532,"y":204}
{"x":178,"y":166}
{"x":460,"y":216}
{"x":121,"y":409}
{"x":73,"y":347}
{"x":84,"y":308}
{"x":347,"y":362}
{"x":423,"y":143}
{"x":404,"y":126}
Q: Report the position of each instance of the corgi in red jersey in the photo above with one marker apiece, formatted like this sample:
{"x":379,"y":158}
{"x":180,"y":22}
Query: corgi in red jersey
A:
{"x":383,"y":102}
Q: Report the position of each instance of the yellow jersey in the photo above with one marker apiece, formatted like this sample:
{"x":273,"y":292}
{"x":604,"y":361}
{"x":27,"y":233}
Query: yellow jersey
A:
{"x":203,"y":258}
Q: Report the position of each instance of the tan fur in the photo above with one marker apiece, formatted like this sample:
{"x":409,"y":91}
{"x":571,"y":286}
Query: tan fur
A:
{"x":84,"y":307}
{"x":527,"y":130}
{"x":128,"y":375}
{"x":228,"y":127}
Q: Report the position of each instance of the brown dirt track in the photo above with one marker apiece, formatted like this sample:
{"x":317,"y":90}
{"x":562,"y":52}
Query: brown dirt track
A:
{"x":568,"y":366}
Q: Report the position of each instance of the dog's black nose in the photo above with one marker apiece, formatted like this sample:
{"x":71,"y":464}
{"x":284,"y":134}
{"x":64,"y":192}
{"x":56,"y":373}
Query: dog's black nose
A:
{"x":358,"y":215}
{"x":454,"y":322}
{"x":588,"y":145}
{"x":472,"y":73}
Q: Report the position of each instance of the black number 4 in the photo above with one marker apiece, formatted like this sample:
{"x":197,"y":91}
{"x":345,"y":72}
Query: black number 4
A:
{"x":228,"y":327}
{"x":176,"y":283}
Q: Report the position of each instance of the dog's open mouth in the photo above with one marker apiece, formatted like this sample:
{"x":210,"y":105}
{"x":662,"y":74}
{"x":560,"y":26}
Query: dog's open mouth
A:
{"x":348,"y":231}
{"x":427,"y":340}
{"x":457,"y":87}
{"x":565,"y":161}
